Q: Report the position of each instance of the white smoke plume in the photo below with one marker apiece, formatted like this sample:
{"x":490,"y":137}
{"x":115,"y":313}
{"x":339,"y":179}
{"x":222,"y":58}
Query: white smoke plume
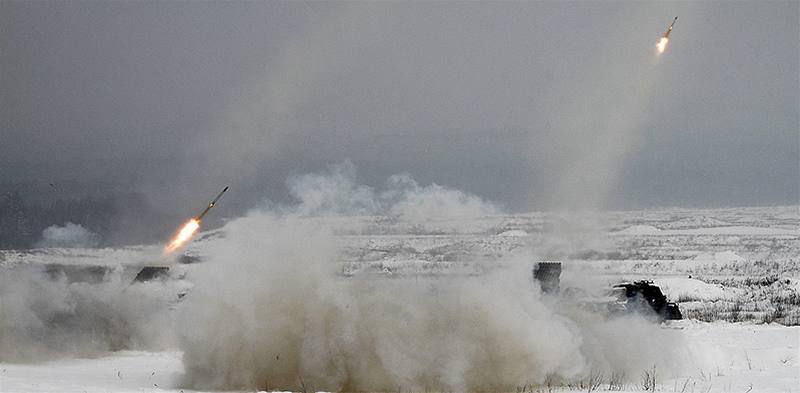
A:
{"x":268,"y":311}
{"x":68,"y":236}
{"x":412,"y":201}
{"x":332,"y":193}
{"x":336,"y":192}
{"x":44,"y":314}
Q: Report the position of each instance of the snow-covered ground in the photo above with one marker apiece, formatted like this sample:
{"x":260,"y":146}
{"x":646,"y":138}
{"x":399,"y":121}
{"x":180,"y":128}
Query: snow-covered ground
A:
{"x":727,"y":357}
{"x":123,"y":371}
{"x":734,"y":273}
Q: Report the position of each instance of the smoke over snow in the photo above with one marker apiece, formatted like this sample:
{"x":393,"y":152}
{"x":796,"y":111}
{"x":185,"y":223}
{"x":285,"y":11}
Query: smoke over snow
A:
{"x":69,"y":235}
{"x":268,"y":310}
{"x":45,"y":315}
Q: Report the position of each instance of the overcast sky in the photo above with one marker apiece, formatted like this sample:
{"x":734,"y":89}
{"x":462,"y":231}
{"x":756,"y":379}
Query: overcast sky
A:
{"x":532,"y":105}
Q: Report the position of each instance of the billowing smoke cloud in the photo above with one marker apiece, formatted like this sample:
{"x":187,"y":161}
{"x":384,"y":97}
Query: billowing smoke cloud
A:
{"x":69,"y":235}
{"x":337,"y":192}
{"x":415,"y":202}
{"x":269,"y":311}
{"x":45,"y":314}
{"x":77,"y":310}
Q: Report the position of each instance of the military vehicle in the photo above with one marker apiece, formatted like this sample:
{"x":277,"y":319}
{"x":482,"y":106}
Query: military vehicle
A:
{"x":642,"y":296}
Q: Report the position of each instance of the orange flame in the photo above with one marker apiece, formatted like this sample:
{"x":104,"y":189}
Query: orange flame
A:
{"x":661,"y":46}
{"x":185,"y":233}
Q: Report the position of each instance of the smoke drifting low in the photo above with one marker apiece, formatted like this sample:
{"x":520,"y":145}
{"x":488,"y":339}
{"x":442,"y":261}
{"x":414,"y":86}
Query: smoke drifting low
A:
{"x":45,"y":315}
{"x":268,"y":311}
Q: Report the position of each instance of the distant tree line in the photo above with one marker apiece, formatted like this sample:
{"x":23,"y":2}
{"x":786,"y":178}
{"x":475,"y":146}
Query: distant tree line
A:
{"x":120,"y":219}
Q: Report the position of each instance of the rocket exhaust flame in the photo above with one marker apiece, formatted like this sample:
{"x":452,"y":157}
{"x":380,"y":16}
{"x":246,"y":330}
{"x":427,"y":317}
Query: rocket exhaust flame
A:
{"x":184,"y":234}
{"x":662,"y":44}
{"x":187,"y":230}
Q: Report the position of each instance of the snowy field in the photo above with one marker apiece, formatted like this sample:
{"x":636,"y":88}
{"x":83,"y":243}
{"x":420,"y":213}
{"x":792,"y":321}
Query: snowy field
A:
{"x":735,"y":274}
{"x":737,"y":357}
